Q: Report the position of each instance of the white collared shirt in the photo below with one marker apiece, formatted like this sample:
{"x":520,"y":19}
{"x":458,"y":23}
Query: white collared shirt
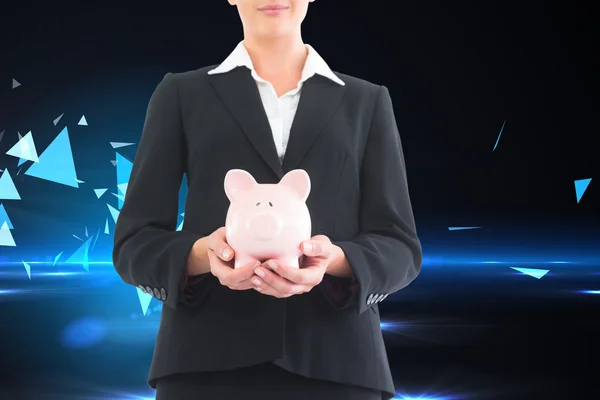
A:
{"x":280,"y":110}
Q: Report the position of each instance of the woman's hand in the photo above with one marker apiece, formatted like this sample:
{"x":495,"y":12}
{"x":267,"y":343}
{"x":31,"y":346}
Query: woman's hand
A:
{"x":282,"y":281}
{"x":221,"y":257}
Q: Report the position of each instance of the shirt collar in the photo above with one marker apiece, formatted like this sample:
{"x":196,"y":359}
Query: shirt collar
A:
{"x":314,"y":65}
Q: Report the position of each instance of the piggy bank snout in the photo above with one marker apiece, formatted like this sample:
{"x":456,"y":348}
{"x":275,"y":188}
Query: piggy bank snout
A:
{"x":264,"y":226}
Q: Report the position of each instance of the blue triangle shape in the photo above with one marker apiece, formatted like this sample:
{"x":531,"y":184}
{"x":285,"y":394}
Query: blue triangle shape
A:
{"x":95,"y":239}
{"x":581,"y":186}
{"x":4,"y":217}
{"x":500,"y":134}
{"x":8,"y":190}
{"x":81,"y":255}
{"x":56,"y":258}
{"x":6,"y":238}
{"x":24,"y":149}
{"x":462,"y":228}
{"x":124,"y":167}
{"x":27,"y":269}
{"x":56,"y":162}
{"x":100,"y":192}
{"x":145,"y":300}
{"x":533,"y":272}
{"x":114,"y":213}
{"x":116,"y":145}
{"x":55,"y":121}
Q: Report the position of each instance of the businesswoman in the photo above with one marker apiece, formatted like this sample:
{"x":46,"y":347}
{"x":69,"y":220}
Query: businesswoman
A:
{"x":269,"y":331}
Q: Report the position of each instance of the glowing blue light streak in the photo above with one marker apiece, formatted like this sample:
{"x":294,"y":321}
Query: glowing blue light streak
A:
{"x":425,"y":397}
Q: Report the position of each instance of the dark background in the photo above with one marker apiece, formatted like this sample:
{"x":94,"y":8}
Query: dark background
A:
{"x":470,"y":326}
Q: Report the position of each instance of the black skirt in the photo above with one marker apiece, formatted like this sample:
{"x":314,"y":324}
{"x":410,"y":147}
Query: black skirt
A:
{"x":264,"y":382}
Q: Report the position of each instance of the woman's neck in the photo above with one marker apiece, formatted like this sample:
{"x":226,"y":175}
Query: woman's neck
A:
{"x":277,"y":57}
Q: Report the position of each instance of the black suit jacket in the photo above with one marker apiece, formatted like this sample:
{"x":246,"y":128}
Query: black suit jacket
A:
{"x":346,"y":138}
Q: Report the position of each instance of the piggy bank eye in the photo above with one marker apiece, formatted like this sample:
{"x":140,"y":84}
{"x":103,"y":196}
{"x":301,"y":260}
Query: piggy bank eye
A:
{"x":271,"y":204}
{"x":258,"y":204}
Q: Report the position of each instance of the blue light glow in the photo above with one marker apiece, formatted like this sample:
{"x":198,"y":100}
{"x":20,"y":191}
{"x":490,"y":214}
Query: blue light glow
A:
{"x":590,"y":291}
{"x":425,"y":397}
{"x":84,"y":333}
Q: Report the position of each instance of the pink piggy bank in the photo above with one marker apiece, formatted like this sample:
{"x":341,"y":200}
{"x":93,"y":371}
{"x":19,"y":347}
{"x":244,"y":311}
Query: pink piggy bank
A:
{"x":267,"y":221}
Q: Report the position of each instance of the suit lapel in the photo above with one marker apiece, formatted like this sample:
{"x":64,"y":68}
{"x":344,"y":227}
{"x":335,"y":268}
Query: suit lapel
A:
{"x":239,"y":93}
{"x":319,"y":99}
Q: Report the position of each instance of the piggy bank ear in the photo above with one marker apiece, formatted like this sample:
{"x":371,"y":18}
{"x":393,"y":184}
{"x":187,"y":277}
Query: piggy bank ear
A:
{"x":237,"y":181}
{"x":299,"y":181}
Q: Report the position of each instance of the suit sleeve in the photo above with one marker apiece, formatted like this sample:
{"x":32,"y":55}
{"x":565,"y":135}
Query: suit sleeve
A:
{"x":339,"y":291}
{"x":195,"y":288}
{"x":148,"y":250}
{"x":386,"y":256}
